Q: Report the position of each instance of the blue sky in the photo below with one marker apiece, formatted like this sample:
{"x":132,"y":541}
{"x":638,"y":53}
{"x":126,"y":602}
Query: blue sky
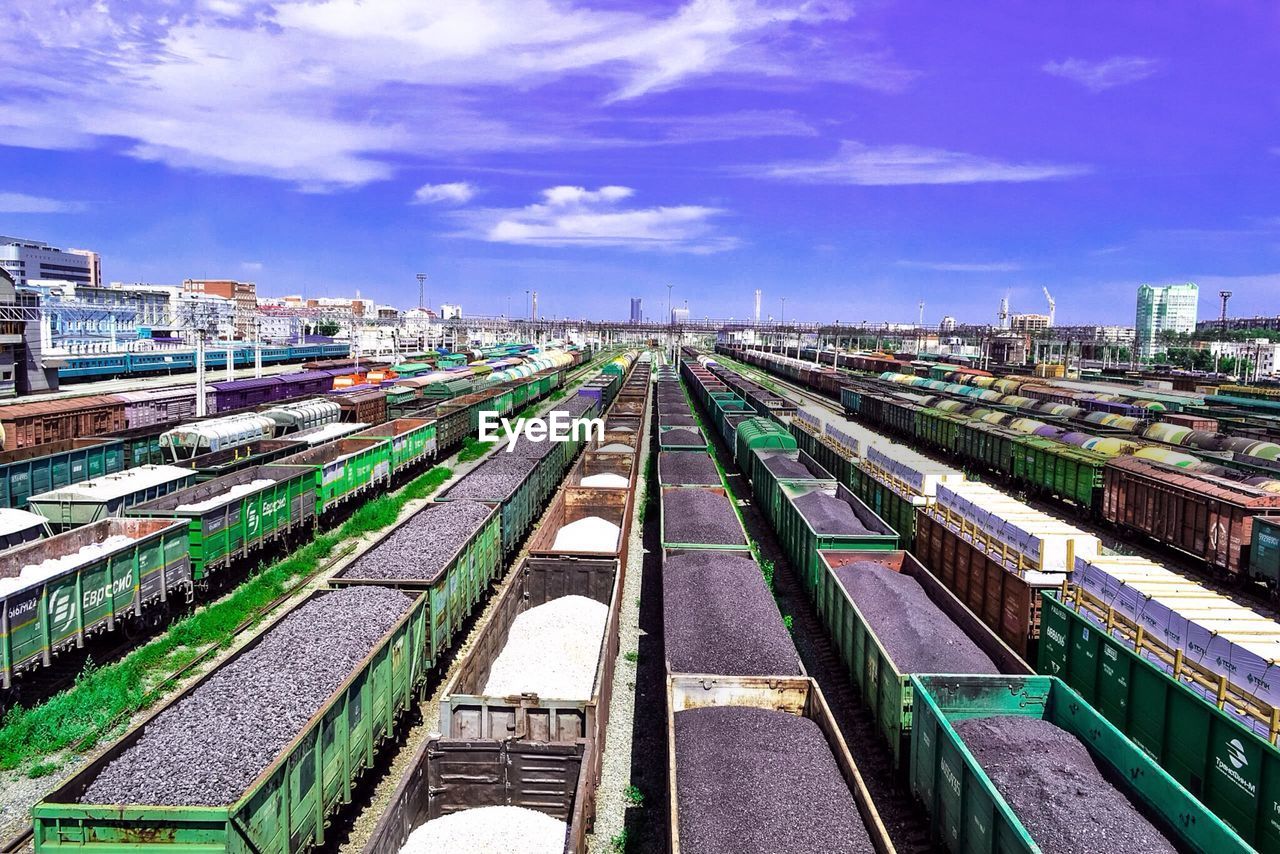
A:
{"x":851,"y":157}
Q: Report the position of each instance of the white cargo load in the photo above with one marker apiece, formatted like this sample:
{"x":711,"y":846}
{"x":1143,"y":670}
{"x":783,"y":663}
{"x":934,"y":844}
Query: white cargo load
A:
{"x":918,"y":472}
{"x":1042,"y":542}
{"x":1211,"y":629}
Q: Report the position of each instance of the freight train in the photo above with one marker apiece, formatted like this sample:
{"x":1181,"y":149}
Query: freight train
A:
{"x":177,"y":546}
{"x":892,"y":622}
{"x":434,"y":571}
{"x":1197,"y":507}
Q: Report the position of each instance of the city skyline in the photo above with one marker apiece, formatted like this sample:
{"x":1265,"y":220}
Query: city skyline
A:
{"x":853,"y":159}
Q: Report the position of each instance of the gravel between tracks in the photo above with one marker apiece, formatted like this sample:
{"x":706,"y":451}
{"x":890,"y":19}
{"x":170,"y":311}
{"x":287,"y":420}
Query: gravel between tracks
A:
{"x":1056,"y":789}
{"x":829,"y":515}
{"x":700,"y":516}
{"x":423,"y":545}
{"x":915,"y":633}
{"x":755,"y":780}
{"x":687,"y":468}
{"x":208,"y":748}
{"x":719,"y":617}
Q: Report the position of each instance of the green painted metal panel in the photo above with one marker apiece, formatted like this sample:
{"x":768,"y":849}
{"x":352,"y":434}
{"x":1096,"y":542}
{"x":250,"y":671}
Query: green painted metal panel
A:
{"x":764,"y":483}
{"x":895,"y":508}
{"x":1234,"y":771}
{"x":59,"y":611}
{"x":801,"y":543}
{"x":1264,"y":555}
{"x":967,"y":813}
{"x":286,"y":809}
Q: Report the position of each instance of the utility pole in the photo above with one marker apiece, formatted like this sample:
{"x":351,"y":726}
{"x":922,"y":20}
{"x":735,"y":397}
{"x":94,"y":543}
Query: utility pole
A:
{"x":257,"y":350}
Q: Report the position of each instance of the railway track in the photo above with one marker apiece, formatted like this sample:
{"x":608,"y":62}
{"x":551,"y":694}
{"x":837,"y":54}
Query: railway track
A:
{"x":24,"y":837}
{"x":1130,"y":545}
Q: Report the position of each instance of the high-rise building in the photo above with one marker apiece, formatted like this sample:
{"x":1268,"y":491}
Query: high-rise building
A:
{"x":243,"y":294}
{"x":1168,"y":308}
{"x":636,"y":314}
{"x":27,"y":259}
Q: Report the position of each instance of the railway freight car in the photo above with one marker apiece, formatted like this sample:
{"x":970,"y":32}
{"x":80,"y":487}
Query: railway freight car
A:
{"x":344,"y":470}
{"x":109,"y":495}
{"x":279,"y":794}
{"x":237,"y":517}
{"x":1168,"y":717}
{"x":57,"y":592}
{"x":40,"y":468}
{"x":978,"y":804}
{"x":27,"y":424}
{"x":447,"y":777}
{"x":1206,"y":517}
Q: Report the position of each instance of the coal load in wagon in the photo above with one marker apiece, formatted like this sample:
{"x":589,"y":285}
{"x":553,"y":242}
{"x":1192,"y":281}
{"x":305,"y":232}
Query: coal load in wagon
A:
{"x":1054,"y":786}
{"x":493,"y":480}
{"x":676,"y":419}
{"x":914,"y":631}
{"x":687,"y":468}
{"x":680,"y":437}
{"x":208,"y":748}
{"x":757,"y":781}
{"x":787,"y":468}
{"x":699,"y":516}
{"x":829,"y":515}
{"x":718,"y":616}
{"x":421,"y":548}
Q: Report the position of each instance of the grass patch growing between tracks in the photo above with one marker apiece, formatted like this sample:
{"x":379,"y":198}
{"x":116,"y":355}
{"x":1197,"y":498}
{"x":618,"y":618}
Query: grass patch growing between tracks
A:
{"x":81,"y":716}
{"x":473,"y":449}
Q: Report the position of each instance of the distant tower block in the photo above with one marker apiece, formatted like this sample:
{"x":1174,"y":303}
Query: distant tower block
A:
{"x":758,"y":294}
{"x":1224,"y":295}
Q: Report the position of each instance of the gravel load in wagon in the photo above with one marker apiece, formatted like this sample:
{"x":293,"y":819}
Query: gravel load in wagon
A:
{"x":786,"y":468}
{"x":421,"y":548}
{"x":676,"y":420}
{"x":551,"y":651}
{"x":528,"y":449}
{"x":1054,"y":786}
{"x":757,"y":781}
{"x":207,"y":749}
{"x":718,"y":616}
{"x":680,"y":437}
{"x":588,"y":534}
{"x":490,"y":830}
{"x":577,"y":405}
{"x":699,"y":516}
{"x":494,"y":479}
{"x":914,"y":631}
{"x":829,"y":515}
{"x":687,"y":468}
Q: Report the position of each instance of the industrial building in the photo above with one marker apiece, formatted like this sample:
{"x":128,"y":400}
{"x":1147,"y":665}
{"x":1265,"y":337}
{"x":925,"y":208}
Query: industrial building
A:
{"x":243,"y":294}
{"x":25,"y":260}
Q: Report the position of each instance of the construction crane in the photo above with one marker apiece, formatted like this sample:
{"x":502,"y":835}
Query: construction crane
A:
{"x":1052,"y":305}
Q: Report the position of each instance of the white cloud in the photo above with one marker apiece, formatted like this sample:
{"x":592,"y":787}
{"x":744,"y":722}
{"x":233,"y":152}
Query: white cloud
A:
{"x":251,"y":266}
{"x":458,"y":192}
{"x":1103,"y":74}
{"x":25,"y":204}
{"x":329,"y":93}
{"x":962,"y":266}
{"x":576,"y":216}
{"x":887,"y":165}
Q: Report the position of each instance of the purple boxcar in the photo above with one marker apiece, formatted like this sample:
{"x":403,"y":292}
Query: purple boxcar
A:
{"x":238,"y":394}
